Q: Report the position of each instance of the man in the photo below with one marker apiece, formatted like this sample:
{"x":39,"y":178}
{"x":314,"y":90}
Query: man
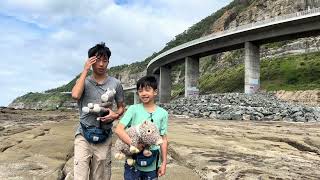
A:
{"x":93,"y":160}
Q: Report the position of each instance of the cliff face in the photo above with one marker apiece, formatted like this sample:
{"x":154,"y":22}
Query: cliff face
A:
{"x":260,"y":10}
{"x":129,"y":79}
{"x":310,"y":97}
{"x":44,"y":101}
{"x":46,"y":104}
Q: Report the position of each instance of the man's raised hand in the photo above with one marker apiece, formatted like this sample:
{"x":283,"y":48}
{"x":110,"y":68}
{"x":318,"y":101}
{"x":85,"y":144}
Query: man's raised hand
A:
{"x":89,"y":63}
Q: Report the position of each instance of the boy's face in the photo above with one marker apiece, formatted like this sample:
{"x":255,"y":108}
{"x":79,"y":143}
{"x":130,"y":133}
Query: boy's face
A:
{"x":147,"y":94}
{"x":100,"y":66}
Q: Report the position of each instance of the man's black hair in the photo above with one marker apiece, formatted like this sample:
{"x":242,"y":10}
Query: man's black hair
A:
{"x":99,"y":50}
{"x":146,"y":81}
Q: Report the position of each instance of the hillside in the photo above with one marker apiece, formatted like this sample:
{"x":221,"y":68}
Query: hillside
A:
{"x":292,"y":65}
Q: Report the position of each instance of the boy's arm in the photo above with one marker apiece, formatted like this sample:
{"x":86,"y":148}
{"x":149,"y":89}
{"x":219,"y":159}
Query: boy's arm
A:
{"x":123,"y":123}
{"x":164,"y":145}
{"x":78,"y":88}
{"x":122,"y":134}
{"x":164,"y":150}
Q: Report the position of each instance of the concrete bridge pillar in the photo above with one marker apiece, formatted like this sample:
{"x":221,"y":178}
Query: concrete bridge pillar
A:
{"x":191,"y":76}
{"x":165,"y":84}
{"x":252,"y":68}
{"x":157,"y":76}
{"x":135,"y":97}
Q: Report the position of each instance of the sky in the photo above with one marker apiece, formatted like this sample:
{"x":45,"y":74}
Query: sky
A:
{"x":44,"y":43}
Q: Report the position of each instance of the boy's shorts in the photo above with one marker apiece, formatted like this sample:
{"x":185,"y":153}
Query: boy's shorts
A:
{"x":131,"y":173}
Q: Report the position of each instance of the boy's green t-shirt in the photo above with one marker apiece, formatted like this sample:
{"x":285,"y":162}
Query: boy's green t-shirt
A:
{"x":136,"y":115}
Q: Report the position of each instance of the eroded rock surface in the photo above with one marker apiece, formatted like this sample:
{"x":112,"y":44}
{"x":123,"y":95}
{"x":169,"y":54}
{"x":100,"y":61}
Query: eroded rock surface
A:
{"x":247,"y":150}
{"x":198,"y":149}
{"x":35,"y":144}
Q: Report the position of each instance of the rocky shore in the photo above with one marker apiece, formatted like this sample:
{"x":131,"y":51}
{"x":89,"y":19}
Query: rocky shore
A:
{"x":199,"y":148}
{"x":39,"y":145}
{"x":240,"y":106}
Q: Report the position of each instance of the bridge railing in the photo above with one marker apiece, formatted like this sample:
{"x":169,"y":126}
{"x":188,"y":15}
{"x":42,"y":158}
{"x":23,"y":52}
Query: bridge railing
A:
{"x":275,"y":19}
{"x":265,"y":22}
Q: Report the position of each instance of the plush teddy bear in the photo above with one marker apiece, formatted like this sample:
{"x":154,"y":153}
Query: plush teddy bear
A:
{"x":101,"y":109}
{"x":147,"y":133}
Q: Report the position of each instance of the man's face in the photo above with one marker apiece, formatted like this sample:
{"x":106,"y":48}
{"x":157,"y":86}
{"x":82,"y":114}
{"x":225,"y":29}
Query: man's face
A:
{"x":100,"y":66}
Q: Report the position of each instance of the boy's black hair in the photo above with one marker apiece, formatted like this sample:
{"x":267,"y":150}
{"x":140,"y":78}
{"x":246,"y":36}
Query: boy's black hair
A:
{"x":101,"y":50}
{"x":146,"y":81}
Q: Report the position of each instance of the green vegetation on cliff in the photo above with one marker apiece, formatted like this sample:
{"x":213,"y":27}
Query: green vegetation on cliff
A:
{"x":224,"y":80}
{"x":48,"y":100}
{"x":65,"y":88}
{"x":293,"y":72}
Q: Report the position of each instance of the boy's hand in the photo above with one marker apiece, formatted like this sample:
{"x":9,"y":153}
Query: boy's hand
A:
{"x":89,"y":63}
{"x":110,"y":117}
{"x":162,"y":170}
{"x":140,"y":146}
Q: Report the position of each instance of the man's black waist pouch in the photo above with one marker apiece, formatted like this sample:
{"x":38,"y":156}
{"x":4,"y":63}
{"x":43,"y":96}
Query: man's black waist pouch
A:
{"x":95,"y":135}
{"x":144,"y":161}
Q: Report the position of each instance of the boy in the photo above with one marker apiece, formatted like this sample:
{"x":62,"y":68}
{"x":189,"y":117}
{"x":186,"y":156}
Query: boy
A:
{"x":93,"y":160}
{"x":137,"y":114}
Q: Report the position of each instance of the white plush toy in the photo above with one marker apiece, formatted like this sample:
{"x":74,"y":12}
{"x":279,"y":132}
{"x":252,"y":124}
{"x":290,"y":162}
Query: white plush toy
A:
{"x":108,"y":95}
{"x":101,"y":108}
{"x":147,"y":133}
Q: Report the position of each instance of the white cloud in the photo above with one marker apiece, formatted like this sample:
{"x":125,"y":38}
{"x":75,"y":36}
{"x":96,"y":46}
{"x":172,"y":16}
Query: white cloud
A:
{"x":44,"y":43}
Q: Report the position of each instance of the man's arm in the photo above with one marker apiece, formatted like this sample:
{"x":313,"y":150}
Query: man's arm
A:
{"x":120,"y":109}
{"x":164,"y":150}
{"x":78,"y":88}
{"x":119,"y":97}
